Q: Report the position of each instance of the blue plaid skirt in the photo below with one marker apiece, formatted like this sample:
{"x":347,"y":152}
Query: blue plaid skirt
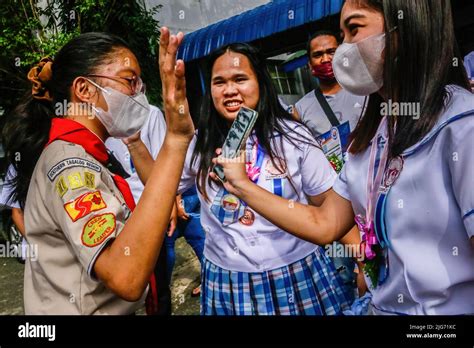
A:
{"x":309,"y":286}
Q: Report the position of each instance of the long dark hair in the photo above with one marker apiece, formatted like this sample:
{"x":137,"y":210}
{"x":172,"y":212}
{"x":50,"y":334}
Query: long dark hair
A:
{"x":273,"y":118}
{"x":26,"y":131}
{"x":420,"y":57}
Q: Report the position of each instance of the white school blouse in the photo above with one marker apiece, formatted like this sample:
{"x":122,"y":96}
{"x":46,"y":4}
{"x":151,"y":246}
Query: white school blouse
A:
{"x":263,"y":246}
{"x":7,"y":189}
{"x":429,"y":217}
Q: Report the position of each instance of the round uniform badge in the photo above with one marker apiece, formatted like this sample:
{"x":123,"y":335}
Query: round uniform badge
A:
{"x":248,"y":218}
{"x":230,"y":202}
{"x":393,"y":171}
{"x":97,"y":229}
{"x":272,"y":172}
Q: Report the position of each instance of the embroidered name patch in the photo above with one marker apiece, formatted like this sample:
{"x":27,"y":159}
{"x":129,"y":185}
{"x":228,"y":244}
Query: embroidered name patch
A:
{"x":61,"y":187}
{"x":89,"y":179}
{"x":97,"y":229}
{"x":69,"y":163}
{"x":84,"y":205}
{"x":75,"y":181}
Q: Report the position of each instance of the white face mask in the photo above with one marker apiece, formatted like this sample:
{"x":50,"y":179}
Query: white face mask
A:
{"x":126,"y":114}
{"x":358,"y":67}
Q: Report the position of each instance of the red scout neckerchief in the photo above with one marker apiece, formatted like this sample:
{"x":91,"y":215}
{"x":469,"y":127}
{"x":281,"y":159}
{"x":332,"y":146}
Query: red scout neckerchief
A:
{"x":74,"y":132}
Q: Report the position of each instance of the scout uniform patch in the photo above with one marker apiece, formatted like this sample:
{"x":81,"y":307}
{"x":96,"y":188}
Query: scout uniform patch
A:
{"x":97,"y":229}
{"x":61,"y":186}
{"x":89,"y":179}
{"x":72,"y":162}
{"x":84,"y":205}
{"x":75,"y":181}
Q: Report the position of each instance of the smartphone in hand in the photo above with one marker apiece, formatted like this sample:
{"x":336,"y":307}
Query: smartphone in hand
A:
{"x":237,"y":136}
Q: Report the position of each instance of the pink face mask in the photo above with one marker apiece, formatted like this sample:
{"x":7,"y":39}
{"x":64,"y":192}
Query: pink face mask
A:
{"x":323,"y":71}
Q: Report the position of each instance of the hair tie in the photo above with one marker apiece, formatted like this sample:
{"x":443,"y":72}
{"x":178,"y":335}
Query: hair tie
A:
{"x":39,"y":75}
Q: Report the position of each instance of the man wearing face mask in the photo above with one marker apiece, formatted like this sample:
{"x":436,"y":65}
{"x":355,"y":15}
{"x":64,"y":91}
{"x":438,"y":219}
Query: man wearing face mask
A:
{"x":345,"y":106}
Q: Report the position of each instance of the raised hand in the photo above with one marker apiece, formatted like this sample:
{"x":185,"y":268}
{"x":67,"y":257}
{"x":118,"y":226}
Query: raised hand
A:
{"x":178,"y":118}
{"x":131,"y":140}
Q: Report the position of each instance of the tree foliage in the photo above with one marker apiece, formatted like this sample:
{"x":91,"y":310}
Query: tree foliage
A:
{"x":30,"y":30}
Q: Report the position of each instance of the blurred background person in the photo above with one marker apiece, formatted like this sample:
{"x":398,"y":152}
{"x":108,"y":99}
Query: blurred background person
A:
{"x":346,"y":106}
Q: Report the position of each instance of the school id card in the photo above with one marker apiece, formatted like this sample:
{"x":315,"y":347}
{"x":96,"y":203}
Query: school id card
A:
{"x":334,"y":144}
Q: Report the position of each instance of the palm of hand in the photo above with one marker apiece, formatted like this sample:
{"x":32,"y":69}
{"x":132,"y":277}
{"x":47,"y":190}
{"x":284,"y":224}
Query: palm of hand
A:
{"x":178,"y":118}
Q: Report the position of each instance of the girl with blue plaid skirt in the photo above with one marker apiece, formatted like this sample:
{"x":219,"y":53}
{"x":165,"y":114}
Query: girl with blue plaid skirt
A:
{"x":251,"y":266}
{"x":407,"y":182}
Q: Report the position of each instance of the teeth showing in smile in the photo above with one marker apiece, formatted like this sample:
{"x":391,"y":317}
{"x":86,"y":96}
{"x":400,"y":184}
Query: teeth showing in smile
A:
{"x":232,"y":103}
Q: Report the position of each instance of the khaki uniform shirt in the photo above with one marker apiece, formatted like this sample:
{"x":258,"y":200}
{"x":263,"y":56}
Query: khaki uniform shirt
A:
{"x":73,"y":209}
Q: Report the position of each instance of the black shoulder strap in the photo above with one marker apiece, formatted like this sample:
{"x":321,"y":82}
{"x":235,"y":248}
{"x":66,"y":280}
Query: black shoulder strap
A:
{"x":115,"y":166}
{"x":327,"y":109}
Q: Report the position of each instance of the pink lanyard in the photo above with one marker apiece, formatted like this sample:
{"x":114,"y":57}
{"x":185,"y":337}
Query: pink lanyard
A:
{"x":366,"y":225}
{"x":254,"y":164}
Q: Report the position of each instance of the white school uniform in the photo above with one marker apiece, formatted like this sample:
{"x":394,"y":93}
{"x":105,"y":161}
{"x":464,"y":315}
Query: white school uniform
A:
{"x":152,"y":134}
{"x":7,"y":202}
{"x":429,"y":217}
{"x":263,"y":246}
{"x":7,"y":189}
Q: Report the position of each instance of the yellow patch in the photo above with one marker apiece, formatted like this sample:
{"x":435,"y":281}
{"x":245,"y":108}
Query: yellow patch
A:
{"x":89,"y":179}
{"x":61,"y":186}
{"x":75,"y":180}
{"x":84,"y":205}
{"x":97,"y":229}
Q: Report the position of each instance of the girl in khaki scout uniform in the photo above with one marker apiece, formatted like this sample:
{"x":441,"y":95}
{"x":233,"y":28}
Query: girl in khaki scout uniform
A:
{"x":94,"y":255}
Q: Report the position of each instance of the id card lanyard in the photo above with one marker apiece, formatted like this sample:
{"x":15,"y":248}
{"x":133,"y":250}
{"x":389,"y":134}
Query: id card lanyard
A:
{"x":380,"y":179}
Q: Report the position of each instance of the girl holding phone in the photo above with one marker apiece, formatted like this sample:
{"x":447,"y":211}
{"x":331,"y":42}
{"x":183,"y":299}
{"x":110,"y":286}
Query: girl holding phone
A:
{"x":408,"y":180}
{"x":251,"y":266}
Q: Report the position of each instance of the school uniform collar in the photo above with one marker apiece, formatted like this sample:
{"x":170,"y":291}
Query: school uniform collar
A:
{"x":448,"y":116}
